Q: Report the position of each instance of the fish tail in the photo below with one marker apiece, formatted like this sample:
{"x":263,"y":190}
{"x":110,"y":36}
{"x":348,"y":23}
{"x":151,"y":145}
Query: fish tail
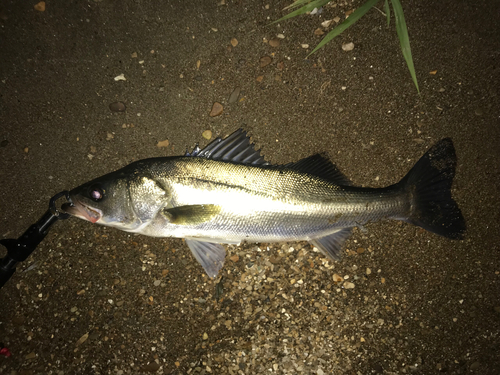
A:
{"x":429,"y":186}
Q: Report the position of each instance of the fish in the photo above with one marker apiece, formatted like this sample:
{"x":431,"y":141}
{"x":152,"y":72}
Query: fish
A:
{"x":227,"y":193}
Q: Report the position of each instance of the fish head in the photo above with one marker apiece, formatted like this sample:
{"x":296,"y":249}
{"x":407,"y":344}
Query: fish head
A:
{"x":123,"y":199}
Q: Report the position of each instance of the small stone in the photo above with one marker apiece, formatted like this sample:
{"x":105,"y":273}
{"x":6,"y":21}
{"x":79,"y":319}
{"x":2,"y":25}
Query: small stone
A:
{"x":151,"y":367}
{"x":109,"y":136}
{"x":30,"y":356}
{"x":478,"y":112}
{"x":117,"y":107}
{"x":382,"y":280}
{"x":157,"y":282}
{"x":120,"y":77}
{"x":217,"y":109}
{"x":360,"y":250}
{"x":475,"y":366}
{"x":318,"y":32}
{"x":82,"y":339}
{"x":348,"y":46}
{"x":259,"y":79}
{"x":305,"y":45}
{"x":234,"y":42}
{"x":337,"y":278}
{"x":265,"y":61}
{"x":326,"y":23}
{"x":348,"y":285}
{"x":198,"y":64}
{"x":26,"y":149}
{"x":281,"y":36}
{"x":205,"y":336}
{"x":433,"y":72}
{"x":442,"y":89}
{"x":368,"y":271}
{"x":207,"y":134}
{"x":274,"y":42}
{"x":234,"y":258}
{"x":134,"y":55}
{"x":40,"y":6}
{"x":336,"y":19}
{"x":164,"y":143}
{"x":233,"y":98}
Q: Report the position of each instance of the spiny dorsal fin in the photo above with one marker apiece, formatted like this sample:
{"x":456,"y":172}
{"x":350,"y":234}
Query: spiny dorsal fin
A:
{"x":235,"y":148}
{"x":319,"y":165}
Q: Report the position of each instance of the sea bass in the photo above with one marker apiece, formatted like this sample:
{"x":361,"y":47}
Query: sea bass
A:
{"x":227,"y":193}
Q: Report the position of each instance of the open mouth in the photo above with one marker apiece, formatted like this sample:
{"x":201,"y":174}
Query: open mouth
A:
{"x":82,"y":211}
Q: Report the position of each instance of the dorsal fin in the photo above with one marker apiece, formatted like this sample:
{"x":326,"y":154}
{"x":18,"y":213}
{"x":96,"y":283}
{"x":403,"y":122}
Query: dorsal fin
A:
{"x":319,"y":165}
{"x":234,"y":148}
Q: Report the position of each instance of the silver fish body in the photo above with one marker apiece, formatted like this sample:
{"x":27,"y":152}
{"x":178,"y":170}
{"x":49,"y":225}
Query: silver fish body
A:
{"x":227,"y":193}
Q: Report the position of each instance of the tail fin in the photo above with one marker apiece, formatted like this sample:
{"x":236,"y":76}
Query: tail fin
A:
{"x":429,"y":185}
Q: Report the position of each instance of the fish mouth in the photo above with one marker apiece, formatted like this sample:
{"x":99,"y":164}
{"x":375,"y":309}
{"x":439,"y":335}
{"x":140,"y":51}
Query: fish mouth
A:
{"x":82,"y":211}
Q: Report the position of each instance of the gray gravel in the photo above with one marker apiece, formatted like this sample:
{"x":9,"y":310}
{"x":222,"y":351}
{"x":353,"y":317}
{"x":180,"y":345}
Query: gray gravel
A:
{"x":92,"y":300}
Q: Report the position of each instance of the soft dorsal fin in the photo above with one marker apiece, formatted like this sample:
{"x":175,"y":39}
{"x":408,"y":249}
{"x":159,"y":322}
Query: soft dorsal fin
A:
{"x":235,"y":148}
{"x":319,"y":165}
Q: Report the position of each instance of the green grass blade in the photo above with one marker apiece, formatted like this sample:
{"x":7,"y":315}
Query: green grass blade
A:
{"x":404,"y":39}
{"x":306,"y":8}
{"x":356,"y":15}
{"x":297,"y":4}
{"x":387,"y":12}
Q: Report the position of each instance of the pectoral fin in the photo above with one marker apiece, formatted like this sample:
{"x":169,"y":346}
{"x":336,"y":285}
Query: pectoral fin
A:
{"x":191,"y":215}
{"x":331,"y":245}
{"x":210,"y":255}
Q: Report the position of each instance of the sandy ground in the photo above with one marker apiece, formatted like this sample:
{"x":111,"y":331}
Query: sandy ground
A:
{"x":93,"y":300}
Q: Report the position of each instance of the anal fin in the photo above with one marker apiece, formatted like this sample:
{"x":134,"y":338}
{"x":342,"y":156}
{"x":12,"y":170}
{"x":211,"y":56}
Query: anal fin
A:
{"x":331,"y":245}
{"x":210,"y":255}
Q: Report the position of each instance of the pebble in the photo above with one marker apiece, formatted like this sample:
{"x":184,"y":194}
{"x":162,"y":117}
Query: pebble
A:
{"x":337,"y":278}
{"x":30,"y":355}
{"x":265,"y":61}
{"x":305,"y":45}
{"x":318,"y":32}
{"x":164,"y":143}
{"x":234,"y":42}
{"x":151,"y":367}
{"x":233,"y":98}
{"x":326,"y":23}
{"x":120,"y":77}
{"x":368,"y":271}
{"x":348,"y":285}
{"x":205,"y":336}
{"x":217,"y":109}
{"x":207,"y":134}
{"x":157,"y":282}
{"x":348,"y":46}
{"x":82,"y":339}
{"x":274,"y":42}
{"x":281,"y":36}
{"x":234,"y":258}
{"x":336,"y":19}
{"x":109,"y":136}
{"x":40,"y":6}
{"x":134,"y":55}
{"x":259,"y":78}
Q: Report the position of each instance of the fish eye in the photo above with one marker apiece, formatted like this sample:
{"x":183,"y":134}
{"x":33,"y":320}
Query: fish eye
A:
{"x":96,"y":193}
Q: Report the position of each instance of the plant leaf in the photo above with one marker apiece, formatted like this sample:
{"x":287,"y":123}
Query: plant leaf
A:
{"x":297,"y":4}
{"x":356,"y":15}
{"x":387,"y":12}
{"x":306,"y":8}
{"x":404,"y":39}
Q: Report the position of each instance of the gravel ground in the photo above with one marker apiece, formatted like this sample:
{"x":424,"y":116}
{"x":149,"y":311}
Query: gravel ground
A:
{"x":92,"y":300}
